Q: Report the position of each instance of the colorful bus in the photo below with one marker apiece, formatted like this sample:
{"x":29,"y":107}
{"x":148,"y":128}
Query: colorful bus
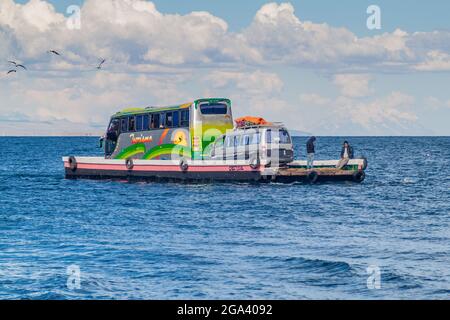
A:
{"x":163,"y":133}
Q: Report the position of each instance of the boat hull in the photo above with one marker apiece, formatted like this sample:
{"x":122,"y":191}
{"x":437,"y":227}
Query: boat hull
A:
{"x":206,"y":171}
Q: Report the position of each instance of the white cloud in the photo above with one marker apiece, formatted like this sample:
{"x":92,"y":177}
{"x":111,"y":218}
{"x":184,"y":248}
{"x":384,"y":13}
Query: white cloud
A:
{"x":89,"y":99}
{"x":125,"y":31}
{"x":257,"y":93}
{"x":134,"y":32}
{"x":37,"y":15}
{"x":436,"y":61}
{"x":282,"y":37}
{"x":392,"y":114}
{"x":314,"y":99}
{"x":435,"y":103}
{"x":353,"y":85}
{"x":163,"y":58}
{"x":257,"y":82}
{"x":394,"y":108}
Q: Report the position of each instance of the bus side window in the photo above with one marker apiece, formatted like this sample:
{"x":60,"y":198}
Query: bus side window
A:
{"x":162,"y":120}
{"x":185,"y":118}
{"x":124,"y":127}
{"x":139,"y":120}
{"x":229,"y":141}
{"x":269,"y":136}
{"x":176,"y":119}
{"x":131,"y":124}
{"x":236,"y":141}
{"x":155,"y":121}
{"x":284,"y":137}
{"x":145,"y":122}
{"x":219,"y":142}
{"x":246,"y":140}
{"x":255,"y":138}
{"x":169,"y":120}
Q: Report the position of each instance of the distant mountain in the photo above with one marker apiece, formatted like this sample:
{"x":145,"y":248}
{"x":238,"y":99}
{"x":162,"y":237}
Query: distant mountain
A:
{"x":298,"y":133}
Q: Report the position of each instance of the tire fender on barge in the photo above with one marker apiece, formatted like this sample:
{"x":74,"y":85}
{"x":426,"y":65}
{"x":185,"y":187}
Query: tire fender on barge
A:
{"x":312,"y":177}
{"x":184,"y":166}
{"x":73,"y":163}
{"x":359,"y":176}
{"x":129,"y":164}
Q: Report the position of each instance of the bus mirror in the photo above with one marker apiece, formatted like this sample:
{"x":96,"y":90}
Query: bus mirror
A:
{"x":100,"y":142}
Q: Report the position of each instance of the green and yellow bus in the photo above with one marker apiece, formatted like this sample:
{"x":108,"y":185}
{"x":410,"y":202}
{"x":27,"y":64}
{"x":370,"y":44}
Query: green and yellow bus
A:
{"x":163,"y":133}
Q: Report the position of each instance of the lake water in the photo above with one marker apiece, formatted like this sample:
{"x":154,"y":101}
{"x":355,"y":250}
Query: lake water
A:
{"x":227,"y":241}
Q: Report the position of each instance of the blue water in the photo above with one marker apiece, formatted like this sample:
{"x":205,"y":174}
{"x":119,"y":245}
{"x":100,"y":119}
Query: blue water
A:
{"x":168,"y":240}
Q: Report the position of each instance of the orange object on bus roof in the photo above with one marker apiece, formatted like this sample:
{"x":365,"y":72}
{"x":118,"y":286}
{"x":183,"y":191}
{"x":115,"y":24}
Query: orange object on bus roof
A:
{"x":249,"y":121}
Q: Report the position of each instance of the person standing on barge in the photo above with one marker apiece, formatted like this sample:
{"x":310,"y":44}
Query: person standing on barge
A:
{"x":310,"y":150}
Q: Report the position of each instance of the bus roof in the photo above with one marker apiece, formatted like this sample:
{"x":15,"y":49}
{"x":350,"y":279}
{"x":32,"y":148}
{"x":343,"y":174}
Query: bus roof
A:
{"x":134,"y":111}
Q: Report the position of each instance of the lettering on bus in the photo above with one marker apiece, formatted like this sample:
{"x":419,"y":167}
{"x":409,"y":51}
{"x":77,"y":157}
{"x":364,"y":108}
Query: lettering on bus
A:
{"x":140,"y":139}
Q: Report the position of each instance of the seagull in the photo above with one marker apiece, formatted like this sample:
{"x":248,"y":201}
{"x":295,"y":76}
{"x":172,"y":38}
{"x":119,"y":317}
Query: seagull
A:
{"x":54,"y":52}
{"x":11,"y":71}
{"x":101,"y":64}
{"x":18,"y":65}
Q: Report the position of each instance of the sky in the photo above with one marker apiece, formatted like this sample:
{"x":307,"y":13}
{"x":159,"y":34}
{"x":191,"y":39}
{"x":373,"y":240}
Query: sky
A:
{"x":314,"y":65}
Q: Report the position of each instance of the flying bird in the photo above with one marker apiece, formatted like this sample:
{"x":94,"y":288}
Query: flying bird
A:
{"x":54,"y":52}
{"x":11,"y":71}
{"x":18,"y":65}
{"x":101,"y":64}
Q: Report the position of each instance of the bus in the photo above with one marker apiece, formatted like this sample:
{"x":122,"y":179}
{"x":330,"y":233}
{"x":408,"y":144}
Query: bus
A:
{"x":165,"y":133}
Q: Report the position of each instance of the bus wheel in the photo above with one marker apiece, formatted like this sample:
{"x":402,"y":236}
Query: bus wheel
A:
{"x":129,"y":164}
{"x":312,"y":177}
{"x":359,"y":176}
{"x":184,"y":165}
{"x":254,"y":163}
{"x":73,"y":163}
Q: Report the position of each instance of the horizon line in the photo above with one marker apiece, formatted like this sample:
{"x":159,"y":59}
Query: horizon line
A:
{"x":316,"y":135}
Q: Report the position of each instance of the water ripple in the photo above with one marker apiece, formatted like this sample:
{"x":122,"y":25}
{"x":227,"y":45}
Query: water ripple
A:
{"x":209,"y":241}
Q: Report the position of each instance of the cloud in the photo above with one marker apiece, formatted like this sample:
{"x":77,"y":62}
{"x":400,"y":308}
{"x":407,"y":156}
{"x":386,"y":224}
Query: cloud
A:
{"x":353,"y":85}
{"x":282,"y":37}
{"x":388,"y":115}
{"x":354,"y":112}
{"x":127,"y":32}
{"x":134,"y":32}
{"x":435,"y":103}
{"x":256,"y":82}
{"x":314,"y":99}
{"x":157,"y":58}
{"x":436,"y":61}
{"x":252,"y":92}
{"x":89,"y":99}
{"x":394,"y":108}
